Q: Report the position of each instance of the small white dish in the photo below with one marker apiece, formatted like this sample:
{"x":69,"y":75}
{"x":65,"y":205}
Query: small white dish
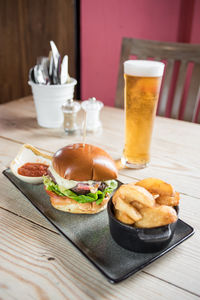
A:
{"x":29,"y":154}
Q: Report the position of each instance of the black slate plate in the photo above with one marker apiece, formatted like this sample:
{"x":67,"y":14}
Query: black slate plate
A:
{"x":90,"y":234}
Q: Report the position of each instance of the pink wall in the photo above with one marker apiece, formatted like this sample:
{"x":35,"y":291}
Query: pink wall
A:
{"x":195,"y":32}
{"x":105,"y":22}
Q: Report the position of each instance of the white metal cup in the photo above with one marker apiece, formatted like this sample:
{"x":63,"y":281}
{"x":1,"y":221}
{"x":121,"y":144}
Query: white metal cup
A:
{"x":48,"y":101}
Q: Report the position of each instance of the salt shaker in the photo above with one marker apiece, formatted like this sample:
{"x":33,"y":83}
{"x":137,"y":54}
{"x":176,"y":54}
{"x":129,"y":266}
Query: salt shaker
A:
{"x":70,"y":109}
{"x":92,"y":108}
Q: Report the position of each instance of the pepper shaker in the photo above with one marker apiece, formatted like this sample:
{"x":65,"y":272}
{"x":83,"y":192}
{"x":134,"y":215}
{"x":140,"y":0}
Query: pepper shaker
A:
{"x":70,"y":109}
{"x":92,"y":108}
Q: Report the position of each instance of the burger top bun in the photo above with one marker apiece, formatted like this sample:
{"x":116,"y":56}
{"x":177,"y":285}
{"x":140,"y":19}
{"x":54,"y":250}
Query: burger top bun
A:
{"x":82,"y":162}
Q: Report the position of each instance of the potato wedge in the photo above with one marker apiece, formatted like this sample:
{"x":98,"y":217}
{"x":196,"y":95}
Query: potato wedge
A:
{"x":156,"y":186}
{"x":167,"y":200}
{"x":137,"y":205}
{"x":124,"y":218}
{"x":155,"y":195}
{"x":156,"y":216}
{"x":130,"y":193}
{"x":128,"y":209}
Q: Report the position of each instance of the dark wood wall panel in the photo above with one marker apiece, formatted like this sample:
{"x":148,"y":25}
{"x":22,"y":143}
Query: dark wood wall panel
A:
{"x":26,"y":27}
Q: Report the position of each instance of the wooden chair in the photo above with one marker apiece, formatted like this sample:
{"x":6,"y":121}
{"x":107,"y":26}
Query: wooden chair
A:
{"x":170,"y":53}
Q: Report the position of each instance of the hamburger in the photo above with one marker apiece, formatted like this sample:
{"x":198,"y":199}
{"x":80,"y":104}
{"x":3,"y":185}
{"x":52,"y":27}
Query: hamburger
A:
{"x":81,"y":179}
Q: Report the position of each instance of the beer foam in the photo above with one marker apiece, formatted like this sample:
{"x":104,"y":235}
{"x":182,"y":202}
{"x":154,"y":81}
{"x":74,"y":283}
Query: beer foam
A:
{"x":143,"y":68}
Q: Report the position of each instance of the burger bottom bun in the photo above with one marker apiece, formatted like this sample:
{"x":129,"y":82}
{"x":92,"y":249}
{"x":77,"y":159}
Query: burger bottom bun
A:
{"x":69,"y":205}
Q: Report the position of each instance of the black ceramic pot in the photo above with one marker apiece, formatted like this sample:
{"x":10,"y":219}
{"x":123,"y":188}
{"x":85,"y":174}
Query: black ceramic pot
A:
{"x":139,"y":239}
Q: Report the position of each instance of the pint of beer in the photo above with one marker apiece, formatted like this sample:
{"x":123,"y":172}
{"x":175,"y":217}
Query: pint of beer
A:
{"x":142,"y":87}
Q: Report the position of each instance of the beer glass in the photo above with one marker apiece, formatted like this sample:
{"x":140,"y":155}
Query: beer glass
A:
{"x":142,"y":87}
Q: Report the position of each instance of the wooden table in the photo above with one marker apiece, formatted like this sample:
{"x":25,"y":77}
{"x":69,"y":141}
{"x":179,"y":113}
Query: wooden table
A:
{"x":37,"y":263}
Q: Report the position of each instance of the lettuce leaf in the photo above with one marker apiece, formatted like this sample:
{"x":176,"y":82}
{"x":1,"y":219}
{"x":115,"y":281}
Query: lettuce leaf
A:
{"x":90,"y":197}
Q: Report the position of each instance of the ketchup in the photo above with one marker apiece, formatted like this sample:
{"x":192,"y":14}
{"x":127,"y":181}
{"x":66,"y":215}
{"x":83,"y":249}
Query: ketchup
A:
{"x":33,"y":170}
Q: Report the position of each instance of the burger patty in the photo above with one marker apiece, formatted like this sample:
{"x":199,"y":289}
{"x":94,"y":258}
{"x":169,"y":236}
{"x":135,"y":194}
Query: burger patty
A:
{"x":83,"y":188}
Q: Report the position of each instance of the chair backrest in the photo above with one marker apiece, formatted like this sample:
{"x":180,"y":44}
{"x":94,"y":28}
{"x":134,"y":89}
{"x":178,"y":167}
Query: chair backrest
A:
{"x":170,"y":53}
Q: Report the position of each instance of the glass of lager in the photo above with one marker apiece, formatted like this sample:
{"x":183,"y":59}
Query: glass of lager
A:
{"x":142,"y":87}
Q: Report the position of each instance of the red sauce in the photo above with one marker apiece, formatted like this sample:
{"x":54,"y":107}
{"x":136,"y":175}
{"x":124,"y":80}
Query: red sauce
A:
{"x":33,"y":169}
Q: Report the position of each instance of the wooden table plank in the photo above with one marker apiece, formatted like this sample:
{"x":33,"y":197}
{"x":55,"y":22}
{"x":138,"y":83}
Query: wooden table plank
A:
{"x":32,"y":261}
{"x":20,"y":114}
